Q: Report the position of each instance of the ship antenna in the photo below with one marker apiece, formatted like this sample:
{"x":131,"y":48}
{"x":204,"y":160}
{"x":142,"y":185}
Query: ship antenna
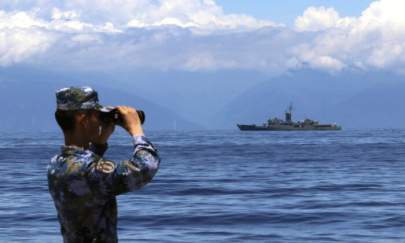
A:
{"x":288,"y":114}
{"x":291,"y":108}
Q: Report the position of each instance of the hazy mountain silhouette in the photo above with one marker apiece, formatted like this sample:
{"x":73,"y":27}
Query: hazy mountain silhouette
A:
{"x":213,"y":100}
{"x":196,"y":96}
{"x":353,"y":99}
{"x":28,"y":103}
{"x":187,"y":99}
{"x":377,"y":107}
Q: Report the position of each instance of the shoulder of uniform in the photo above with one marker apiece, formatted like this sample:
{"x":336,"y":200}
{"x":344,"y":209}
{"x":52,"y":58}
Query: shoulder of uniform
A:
{"x":73,"y":163}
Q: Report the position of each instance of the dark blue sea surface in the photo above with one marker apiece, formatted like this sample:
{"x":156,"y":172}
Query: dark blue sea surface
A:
{"x":229,"y":186}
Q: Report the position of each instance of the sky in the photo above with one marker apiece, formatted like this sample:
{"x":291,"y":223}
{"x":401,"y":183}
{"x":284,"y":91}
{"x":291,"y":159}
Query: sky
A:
{"x":286,"y":11}
{"x":271,"y":37}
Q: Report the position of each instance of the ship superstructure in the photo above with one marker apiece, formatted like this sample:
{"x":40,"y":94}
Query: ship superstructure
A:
{"x":276,"y":124}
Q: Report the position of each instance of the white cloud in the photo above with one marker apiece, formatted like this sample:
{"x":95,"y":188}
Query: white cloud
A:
{"x":24,"y":35}
{"x":21,"y":36}
{"x":142,"y":13}
{"x":321,"y":18}
{"x":199,"y":14}
{"x":373,"y":40}
{"x":67,"y":15}
{"x":197,"y":35}
{"x":30,"y":27}
{"x":17,"y":45}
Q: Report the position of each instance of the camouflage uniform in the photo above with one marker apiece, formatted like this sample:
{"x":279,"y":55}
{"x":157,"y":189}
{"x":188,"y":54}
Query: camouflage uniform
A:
{"x":84,"y":186}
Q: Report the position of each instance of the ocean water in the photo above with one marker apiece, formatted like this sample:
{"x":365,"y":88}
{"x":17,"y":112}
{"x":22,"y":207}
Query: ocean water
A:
{"x":229,"y":186}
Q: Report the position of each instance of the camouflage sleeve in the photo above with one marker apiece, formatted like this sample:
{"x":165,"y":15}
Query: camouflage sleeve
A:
{"x":121,"y":177}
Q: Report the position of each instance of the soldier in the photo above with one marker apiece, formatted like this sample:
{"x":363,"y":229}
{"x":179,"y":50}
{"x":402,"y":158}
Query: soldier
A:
{"x":83,"y":184}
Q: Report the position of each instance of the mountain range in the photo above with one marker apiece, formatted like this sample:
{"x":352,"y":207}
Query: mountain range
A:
{"x":353,"y":99}
{"x":211,"y":100}
{"x":28,"y":103}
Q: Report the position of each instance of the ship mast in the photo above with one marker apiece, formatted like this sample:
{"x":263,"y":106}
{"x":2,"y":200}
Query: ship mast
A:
{"x":288,"y":114}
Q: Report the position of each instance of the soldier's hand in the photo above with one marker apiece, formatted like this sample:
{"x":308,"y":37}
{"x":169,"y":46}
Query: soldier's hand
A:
{"x":130,"y":120}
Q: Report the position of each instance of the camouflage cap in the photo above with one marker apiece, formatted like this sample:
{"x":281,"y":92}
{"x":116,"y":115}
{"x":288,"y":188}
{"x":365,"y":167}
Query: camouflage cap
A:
{"x":78,"y":98}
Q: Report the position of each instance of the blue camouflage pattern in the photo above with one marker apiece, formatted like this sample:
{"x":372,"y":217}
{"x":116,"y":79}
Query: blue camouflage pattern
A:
{"x":84,"y":187}
{"x":78,"y":98}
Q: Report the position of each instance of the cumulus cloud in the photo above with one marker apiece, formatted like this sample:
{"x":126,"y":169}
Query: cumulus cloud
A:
{"x":142,"y":13}
{"x":21,"y":36}
{"x":30,"y":27}
{"x":373,"y":40}
{"x":321,"y":18}
{"x":197,"y":35}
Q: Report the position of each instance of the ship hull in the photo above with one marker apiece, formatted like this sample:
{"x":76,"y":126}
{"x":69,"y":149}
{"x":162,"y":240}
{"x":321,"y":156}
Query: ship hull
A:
{"x":289,"y":128}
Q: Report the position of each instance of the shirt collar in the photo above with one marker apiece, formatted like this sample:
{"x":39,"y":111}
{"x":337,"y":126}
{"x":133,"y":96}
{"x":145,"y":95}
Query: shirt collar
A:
{"x":72,"y":149}
{"x":94,"y":148}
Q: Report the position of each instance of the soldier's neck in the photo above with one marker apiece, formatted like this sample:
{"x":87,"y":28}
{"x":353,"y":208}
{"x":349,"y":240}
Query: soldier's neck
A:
{"x":76,"y":139}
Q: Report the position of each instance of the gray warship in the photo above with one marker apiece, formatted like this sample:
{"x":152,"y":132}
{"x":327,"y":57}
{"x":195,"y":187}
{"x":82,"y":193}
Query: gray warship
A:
{"x":276,"y":124}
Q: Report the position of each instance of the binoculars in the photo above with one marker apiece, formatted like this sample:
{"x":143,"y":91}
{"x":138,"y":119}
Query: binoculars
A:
{"x":115,"y":116}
